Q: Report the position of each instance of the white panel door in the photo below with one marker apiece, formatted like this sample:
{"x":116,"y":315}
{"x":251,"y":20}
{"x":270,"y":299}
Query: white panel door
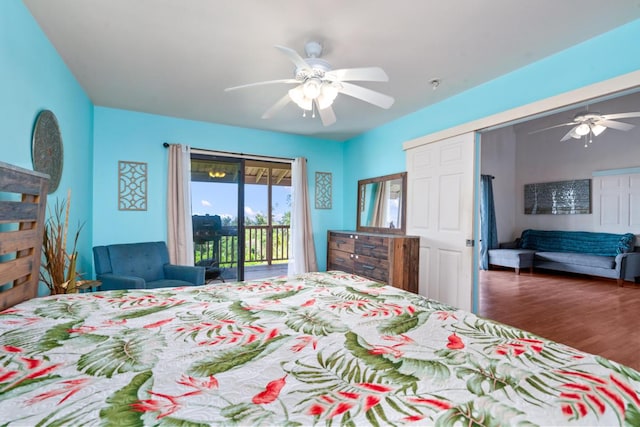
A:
{"x":440,"y":211}
{"x":616,"y":203}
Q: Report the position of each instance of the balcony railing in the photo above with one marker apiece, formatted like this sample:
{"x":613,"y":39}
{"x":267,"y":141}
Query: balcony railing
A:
{"x":263,"y":245}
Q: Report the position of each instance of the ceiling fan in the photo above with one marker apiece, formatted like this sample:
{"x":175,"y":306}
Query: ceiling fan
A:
{"x":593,"y":124}
{"x":318,"y":85}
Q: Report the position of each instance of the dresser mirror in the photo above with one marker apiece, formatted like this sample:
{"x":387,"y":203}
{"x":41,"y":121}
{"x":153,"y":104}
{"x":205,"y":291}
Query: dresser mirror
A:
{"x":382,"y":204}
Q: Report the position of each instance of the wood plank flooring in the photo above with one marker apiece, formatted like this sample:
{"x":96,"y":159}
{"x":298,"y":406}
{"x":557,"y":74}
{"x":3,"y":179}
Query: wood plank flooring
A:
{"x":592,"y":315}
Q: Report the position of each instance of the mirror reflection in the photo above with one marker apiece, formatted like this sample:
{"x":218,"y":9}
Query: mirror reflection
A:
{"x":381,"y":203}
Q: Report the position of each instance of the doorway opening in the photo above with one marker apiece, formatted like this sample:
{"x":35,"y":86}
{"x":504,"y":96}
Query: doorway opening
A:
{"x":241,"y":213}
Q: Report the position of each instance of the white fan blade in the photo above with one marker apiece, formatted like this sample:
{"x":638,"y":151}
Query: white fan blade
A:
{"x":571,"y":134}
{"x":376,"y":98}
{"x":297,"y":60}
{"x":552,"y":127}
{"x":276,"y":107}
{"x":327,"y":115}
{"x":615,"y":125}
{"x":366,"y":74}
{"x":621,"y":115}
{"x":268,"y":82}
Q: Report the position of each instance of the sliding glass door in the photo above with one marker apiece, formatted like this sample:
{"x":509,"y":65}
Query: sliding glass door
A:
{"x":241,"y":211}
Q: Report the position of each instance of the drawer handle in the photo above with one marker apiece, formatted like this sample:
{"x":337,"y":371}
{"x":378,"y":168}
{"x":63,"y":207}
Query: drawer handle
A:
{"x":366,"y":246}
{"x":340,"y":260}
{"x":368,"y":267}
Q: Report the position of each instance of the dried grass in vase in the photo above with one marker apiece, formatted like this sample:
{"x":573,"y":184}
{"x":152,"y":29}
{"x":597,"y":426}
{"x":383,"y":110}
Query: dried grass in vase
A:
{"x":58,"y":270}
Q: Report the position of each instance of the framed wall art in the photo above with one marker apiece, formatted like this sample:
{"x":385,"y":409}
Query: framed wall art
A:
{"x":132,"y":186}
{"x":323,"y":190}
{"x":558,"y":198}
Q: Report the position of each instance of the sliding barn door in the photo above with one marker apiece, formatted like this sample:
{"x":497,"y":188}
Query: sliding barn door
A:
{"x":440,"y":211}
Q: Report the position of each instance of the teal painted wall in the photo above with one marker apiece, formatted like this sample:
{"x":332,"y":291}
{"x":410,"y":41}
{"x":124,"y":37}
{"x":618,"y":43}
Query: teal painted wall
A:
{"x":131,"y":136}
{"x":379,"y":151}
{"x":33,"y":77}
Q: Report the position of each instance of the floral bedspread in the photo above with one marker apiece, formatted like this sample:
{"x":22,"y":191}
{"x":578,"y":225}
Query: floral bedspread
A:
{"x":315,"y":349}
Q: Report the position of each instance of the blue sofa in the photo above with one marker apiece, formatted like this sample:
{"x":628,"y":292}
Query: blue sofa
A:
{"x":592,"y":253}
{"x":141,"y":266}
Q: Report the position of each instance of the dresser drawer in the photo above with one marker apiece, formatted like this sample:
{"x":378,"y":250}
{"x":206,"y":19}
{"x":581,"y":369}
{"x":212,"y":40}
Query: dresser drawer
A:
{"x":374,"y":268}
{"x":341,"y":242}
{"x":340,"y":260}
{"x":372,"y":246}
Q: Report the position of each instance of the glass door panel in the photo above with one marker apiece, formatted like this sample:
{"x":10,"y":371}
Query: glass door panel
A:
{"x":216,"y":204}
{"x":280,"y":213}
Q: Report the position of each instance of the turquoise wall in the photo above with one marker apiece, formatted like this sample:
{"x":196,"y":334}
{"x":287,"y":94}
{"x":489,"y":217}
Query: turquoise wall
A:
{"x":138,"y":137}
{"x":379,"y":151}
{"x":33,"y":77}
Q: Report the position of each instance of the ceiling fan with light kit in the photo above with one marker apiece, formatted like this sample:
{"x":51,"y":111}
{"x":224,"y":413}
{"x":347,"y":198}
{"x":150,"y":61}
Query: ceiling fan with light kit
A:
{"x":318,"y":85}
{"x":588,"y":125}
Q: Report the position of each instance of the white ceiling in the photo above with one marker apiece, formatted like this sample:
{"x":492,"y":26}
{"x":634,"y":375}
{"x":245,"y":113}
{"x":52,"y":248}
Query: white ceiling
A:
{"x":175,"y":57}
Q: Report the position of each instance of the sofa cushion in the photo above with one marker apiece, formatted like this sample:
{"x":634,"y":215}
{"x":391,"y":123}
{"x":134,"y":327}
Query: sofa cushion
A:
{"x":515,"y":258}
{"x":577,"y":259}
{"x":604,"y":244}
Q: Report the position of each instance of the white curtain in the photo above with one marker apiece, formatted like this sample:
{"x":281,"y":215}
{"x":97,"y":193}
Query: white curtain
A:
{"x":380,"y":206}
{"x":179,"y":225}
{"x":302,"y":254}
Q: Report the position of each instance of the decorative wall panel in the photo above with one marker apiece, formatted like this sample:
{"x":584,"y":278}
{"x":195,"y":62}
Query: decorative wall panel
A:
{"x":132,"y":186}
{"x":323,"y":190}
{"x":558,"y":198}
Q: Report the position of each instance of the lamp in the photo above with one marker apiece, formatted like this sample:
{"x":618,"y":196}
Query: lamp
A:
{"x":314,"y":89}
{"x":328,"y":94}
{"x":598,"y":129}
{"x":582,"y":129}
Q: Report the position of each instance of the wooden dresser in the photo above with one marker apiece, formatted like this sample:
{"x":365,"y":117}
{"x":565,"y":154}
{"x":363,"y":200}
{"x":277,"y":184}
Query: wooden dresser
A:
{"x":386,"y":258}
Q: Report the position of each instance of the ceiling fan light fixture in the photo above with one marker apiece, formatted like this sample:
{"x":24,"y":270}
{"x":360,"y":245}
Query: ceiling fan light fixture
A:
{"x":582,"y":129}
{"x":327,"y":95}
{"x":598,"y":129}
{"x":298,"y":96}
{"x":312,"y":88}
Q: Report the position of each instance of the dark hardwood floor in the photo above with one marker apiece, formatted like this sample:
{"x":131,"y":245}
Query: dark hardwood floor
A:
{"x":590,"y":314}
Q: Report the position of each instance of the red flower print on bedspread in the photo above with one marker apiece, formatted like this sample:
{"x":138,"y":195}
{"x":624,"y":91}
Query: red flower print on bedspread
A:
{"x":455,"y":342}
{"x":17,"y":370}
{"x":589,"y":392}
{"x":270,"y":393}
{"x":67,"y":388}
{"x":519,"y":346}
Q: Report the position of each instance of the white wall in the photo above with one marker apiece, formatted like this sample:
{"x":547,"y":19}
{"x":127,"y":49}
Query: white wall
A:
{"x":498,"y":158}
{"x":542,"y":157}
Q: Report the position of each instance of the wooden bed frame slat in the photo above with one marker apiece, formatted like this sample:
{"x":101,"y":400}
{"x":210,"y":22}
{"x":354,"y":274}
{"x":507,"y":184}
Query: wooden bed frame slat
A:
{"x":18,"y":212}
{"x":16,"y":180}
{"x":16,"y":268}
{"x":14,"y":241}
{"x":20,"y":274}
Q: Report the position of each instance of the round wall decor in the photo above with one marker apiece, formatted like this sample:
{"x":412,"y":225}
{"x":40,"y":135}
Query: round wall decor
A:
{"x":46,"y":148}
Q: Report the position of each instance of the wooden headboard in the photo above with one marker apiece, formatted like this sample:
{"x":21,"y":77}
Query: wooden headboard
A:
{"x":23,"y":198}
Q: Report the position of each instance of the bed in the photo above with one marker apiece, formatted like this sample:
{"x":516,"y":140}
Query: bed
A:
{"x":318,"y":348}
{"x":314,"y":349}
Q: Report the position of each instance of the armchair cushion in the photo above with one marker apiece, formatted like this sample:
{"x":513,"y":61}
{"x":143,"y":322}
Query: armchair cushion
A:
{"x":141,"y":265}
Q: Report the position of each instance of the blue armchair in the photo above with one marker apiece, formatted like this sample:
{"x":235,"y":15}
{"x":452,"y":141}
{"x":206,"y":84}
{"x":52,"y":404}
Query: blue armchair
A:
{"x":141,"y":266}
